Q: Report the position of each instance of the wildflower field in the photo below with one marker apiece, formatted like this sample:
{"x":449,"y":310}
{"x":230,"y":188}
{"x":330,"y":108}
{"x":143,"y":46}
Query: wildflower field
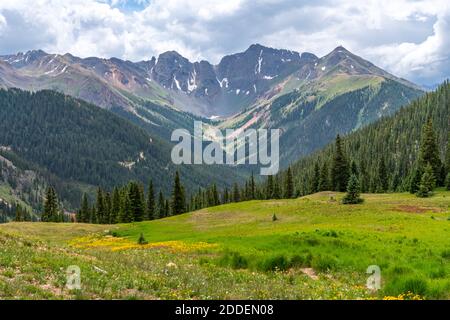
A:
{"x":317,"y":248}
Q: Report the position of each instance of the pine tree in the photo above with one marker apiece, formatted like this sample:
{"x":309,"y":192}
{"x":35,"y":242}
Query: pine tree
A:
{"x":269,"y":187}
{"x":236,"y":193}
{"x":136,"y":197}
{"x":178,"y":201}
{"x":84,"y":210}
{"x":115,"y":206}
{"x":276,"y":189}
{"x":252,"y":188}
{"x":289,"y":185}
{"x":51,"y":210}
{"x":383,"y":182}
{"x":107,"y":205}
{"x":315,"y":178}
{"x":364,"y":177}
{"x":100,"y":207}
{"x":150,"y":202}
{"x":226,"y":196}
{"x":324,"y":183}
{"x":414,"y":181}
{"x":127,"y":210}
{"x":340,"y":168}
{"x":427,"y":183}
{"x":429,"y":151}
{"x":161,"y":205}
{"x":352,"y":196}
{"x":167,"y":209}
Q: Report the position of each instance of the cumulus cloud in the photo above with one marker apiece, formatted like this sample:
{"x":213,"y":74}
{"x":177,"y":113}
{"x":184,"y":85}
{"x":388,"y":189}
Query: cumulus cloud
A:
{"x":407,"y":37}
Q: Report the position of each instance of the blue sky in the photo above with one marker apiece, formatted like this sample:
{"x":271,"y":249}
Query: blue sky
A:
{"x":406,"y":37}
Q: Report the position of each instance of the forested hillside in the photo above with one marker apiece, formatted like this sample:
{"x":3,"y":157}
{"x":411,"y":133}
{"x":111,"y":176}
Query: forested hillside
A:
{"x":392,"y":142}
{"x":77,"y":146}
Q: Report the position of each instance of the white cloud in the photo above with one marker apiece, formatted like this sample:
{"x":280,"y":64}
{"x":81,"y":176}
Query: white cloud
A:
{"x":407,"y":37}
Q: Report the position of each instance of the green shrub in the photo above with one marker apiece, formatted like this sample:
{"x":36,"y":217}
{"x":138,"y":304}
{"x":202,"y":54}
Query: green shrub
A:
{"x":415,"y":285}
{"x":403,"y":285}
{"x":298,"y":261}
{"x":324,"y":263}
{"x":279,"y":262}
{"x":234,"y":260}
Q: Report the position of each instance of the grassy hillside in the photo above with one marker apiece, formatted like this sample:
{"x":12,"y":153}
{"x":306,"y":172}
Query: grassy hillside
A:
{"x":316,"y":249}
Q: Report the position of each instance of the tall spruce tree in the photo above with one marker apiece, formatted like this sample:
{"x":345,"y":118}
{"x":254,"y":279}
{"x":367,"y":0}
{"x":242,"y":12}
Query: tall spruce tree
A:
{"x":150,"y":202}
{"x":324,"y":181}
{"x":236,"y":193}
{"x":352,"y":196}
{"x":383,"y":182}
{"x":83,"y":213}
{"x":315,"y":178}
{"x":340,"y":168}
{"x":51,"y":207}
{"x":429,"y":152}
{"x":136,"y":197}
{"x":289,"y":184}
{"x":115,"y":206}
{"x":269,"y":187}
{"x":427,"y":183}
{"x":276,"y":188}
{"x":161,"y":205}
{"x":178,"y":201}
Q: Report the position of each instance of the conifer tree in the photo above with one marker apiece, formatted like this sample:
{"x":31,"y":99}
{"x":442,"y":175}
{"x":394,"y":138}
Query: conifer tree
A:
{"x":276,"y":189}
{"x":252,"y":188}
{"x":383,"y":183}
{"x":83,"y":215}
{"x":167,"y":209}
{"x":289,"y":185}
{"x":324,"y":183}
{"x":315,"y":178}
{"x":352,"y":196}
{"x":136,"y":201}
{"x":269,"y":187}
{"x":150,"y":202}
{"x":429,"y":152}
{"x":178,"y":201}
{"x":226,"y":196}
{"x":427,"y":183}
{"x":414,"y":181}
{"x":115,"y":206}
{"x":107,"y":205}
{"x":340,"y":168}
{"x":161,"y":205}
{"x":236,"y":193}
{"x":51,"y":210}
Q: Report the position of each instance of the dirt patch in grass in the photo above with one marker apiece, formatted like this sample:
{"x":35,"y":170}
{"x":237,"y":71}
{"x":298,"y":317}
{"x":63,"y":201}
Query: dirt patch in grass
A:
{"x":416,"y":209}
{"x":310,"y":273}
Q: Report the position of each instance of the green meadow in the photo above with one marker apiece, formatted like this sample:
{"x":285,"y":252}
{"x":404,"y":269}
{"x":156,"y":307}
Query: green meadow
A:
{"x":312,"y":247}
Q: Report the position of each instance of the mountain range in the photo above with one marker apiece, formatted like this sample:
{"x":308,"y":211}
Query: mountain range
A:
{"x":310,"y":99}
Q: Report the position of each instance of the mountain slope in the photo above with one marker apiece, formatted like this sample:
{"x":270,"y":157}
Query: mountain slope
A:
{"x":339,"y":93}
{"x":394,"y":139}
{"x":78,"y":146}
